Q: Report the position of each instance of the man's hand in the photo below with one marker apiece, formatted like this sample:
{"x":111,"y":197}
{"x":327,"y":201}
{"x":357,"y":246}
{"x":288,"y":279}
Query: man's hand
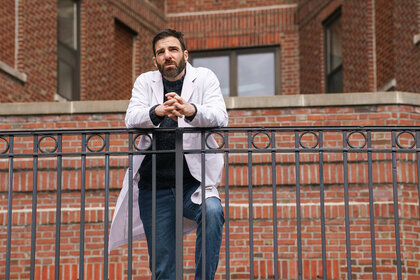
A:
{"x":175,"y":107}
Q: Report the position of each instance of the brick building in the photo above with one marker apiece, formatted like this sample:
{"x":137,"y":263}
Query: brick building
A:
{"x":71,"y":64}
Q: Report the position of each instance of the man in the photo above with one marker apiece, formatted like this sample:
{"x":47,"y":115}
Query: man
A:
{"x":175,"y":95}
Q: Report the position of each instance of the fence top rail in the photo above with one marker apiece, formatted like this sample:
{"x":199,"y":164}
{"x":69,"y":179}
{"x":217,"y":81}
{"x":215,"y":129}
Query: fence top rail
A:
{"x":212,"y":129}
{"x":354,"y":139}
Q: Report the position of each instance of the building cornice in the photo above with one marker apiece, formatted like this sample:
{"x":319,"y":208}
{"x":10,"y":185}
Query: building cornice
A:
{"x":232,"y":103}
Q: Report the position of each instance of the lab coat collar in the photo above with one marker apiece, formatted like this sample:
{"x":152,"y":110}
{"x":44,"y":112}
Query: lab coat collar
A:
{"x":187,"y":87}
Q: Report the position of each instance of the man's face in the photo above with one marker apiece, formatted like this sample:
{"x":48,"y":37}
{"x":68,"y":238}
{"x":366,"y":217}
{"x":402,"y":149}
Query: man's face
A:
{"x":170,"y":59}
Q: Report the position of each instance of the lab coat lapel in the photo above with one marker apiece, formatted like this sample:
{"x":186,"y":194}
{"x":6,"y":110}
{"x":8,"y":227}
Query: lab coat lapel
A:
{"x":188,"y":86}
{"x":157,"y":88}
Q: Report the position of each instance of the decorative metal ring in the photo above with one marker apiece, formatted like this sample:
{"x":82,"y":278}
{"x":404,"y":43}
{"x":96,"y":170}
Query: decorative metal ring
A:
{"x":44,"y":137}
{"x":397,"y":139}
{"x":7,"y":145}
{"x":358,"y":132}
{"x":308,"y":132}
{"x":217,"y":133}
{"x":100,"y":149}
{"x":256,"y":134}
{"x":139,"y":135}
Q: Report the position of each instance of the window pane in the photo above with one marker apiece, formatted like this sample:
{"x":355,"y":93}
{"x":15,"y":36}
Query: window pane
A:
{"x":67,"y":28}
{"x":256,"y":74}
{"x":334,"y":45}
{"x":65,"y":80}
{"x":335,"y":81}
{"x":220,"y":66}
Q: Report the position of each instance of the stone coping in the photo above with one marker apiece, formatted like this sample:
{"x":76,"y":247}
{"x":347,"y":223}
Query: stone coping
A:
{"x":232,"y":103}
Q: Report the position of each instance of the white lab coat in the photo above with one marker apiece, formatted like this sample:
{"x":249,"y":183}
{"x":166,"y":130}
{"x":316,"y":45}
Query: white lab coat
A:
{"x":201,"y":87}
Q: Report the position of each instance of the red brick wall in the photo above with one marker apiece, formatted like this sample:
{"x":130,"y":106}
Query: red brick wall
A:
{"x":7,"y":32}
{"x":406,"y":25}
{"x":241,"y":24}
{"x":37,"y":54}
{"x":238,"y":189}
{"x":123,"y":61}
{"x":311,"y":15}
{"x":295,"y":26}
{"x":37,"y":49}
{"x":385,"y":34}
{"x":100,"y":70}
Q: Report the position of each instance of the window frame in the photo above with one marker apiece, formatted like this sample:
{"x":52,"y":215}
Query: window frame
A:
{"x":232,"y":54}
{"x":336,"y":15}
{"x":70,"y":56}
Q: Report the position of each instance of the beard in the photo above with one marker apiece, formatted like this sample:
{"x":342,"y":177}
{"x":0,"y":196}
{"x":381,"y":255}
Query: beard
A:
{"x":174,"y":71}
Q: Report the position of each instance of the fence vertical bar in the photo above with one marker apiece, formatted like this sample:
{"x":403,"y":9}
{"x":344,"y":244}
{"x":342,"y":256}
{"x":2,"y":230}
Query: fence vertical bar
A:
{"x":130,"y":206}
{"x":298,"y":206}
{"x":396,"y":210}
{"x":58,"y":210}
{"x":82,"y":208}
{"x":154,"y":206}
{"x":227,"y":229}
{"x":106,"y":214}
{"x":250,"y":207}
{"x":418,"y":165}
{"x":34,"y":205}
{"x":9,"y":209}
{"x":179,"y":160}
{"x":346,"y":204}
{"x":274,"y":194}
{"x":203,"y":206}
{"x":371,"y":206}
{"x":322,"y":204}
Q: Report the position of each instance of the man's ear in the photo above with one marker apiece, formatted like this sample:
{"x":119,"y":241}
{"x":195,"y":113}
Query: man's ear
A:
{"x":154,"y":61}
{"x":186,"y":55}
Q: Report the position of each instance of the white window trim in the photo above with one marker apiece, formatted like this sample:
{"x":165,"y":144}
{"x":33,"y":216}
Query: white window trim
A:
{"x":13,"y":72}
{"x":416,"y":39}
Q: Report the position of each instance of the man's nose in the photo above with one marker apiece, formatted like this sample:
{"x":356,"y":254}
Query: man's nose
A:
{"x":167,"y":54}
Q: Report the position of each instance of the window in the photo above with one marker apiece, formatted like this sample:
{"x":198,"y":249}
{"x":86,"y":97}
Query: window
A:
{"x":243,"y":72}
{"x":333,"y":54}
{"x":68,"y":49}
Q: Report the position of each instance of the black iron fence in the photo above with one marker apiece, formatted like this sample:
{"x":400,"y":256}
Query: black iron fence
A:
{"x":328,"y":202}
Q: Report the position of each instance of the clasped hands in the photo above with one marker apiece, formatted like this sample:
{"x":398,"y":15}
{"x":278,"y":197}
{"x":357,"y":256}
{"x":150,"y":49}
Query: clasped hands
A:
{"x":175,"y":107}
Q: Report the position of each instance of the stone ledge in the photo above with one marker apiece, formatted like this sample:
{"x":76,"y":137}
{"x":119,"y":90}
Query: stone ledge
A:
{"x":232,"y":103}
{"x":13,"y":72}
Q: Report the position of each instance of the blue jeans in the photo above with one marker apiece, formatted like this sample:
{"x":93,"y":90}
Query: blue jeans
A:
{"x":165,"y":229}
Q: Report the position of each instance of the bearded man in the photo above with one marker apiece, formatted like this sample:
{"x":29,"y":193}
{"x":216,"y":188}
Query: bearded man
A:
{"x":177,"y":95}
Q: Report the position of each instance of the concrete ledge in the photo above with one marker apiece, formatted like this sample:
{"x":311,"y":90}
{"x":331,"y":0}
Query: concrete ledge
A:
{"x":13,"y":72}
{"x":64,"y":108}
{"x":232,"y":103}
{"x":324,"y":100}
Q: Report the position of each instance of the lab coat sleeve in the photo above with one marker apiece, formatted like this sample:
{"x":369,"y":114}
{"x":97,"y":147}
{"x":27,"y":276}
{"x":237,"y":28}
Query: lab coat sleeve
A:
{"x":212,"y":110}
{"x":137,"y":115}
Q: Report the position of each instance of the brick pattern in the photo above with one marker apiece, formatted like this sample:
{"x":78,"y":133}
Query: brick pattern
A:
{"x":97,"y":50}
{"x":7,"y":33}
{"x":187,"y":6}
{"x":37,"y":54}
{"x":123,"y":61}
{"x":254,"y":28}
{"x":295,"y":26}
{"x":238,"y":197}
{"x":384,"y":31}
{"x":311,"y":15}
{"x":405,"y":19}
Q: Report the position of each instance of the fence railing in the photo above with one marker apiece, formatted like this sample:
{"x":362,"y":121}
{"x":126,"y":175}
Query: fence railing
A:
{"x":299,"y":202}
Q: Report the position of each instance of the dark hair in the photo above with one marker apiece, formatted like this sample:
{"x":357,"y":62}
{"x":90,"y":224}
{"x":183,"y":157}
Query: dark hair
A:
{"x":168,"y":33}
